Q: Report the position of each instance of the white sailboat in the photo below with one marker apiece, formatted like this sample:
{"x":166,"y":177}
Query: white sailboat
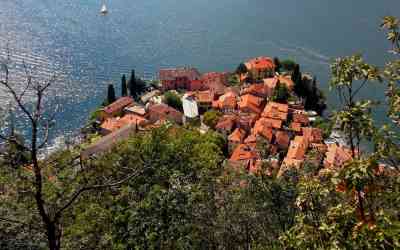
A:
{"x":104,"y":9}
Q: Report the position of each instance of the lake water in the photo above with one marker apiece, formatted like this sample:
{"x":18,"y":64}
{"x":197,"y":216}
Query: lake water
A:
{"x":87,"y":50}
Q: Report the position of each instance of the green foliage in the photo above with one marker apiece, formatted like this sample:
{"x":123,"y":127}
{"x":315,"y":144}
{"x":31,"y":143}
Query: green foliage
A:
{"x":241,"y":69}
{"x":211,"y":117}
{"x":392,"y":69}
{"x":173,"y":100}
{"x":160,"y":207}
{"x":111,"y":94}
{"x":233,"y":80}
{"x":288,"y":64}
{"x":15,"y":154}
{"x":325,"y":125}
{"x":263,"y":147}
{"x":281,"y":93}
{"x":124,"y":87}
{"x":278,"y":64}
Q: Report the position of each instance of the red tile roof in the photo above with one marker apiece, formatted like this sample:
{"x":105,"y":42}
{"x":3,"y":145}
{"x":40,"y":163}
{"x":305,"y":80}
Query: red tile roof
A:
{"x":297,"y":150}
{"x":287,"y":80}
{"x":244,"y":152}
{"x":258,"y":89}
{"x":271,"y":82}
{"x":114,"y":124}
{"x":251,"y":139}
{"x":301,"y":118}
{"x":247,"y":120}
{"x":204,"y":97}
{"x":337,"y":156}
{"x":260,"y":63}
{"x":312,"y":135}
{"x":215,"y":81}
{"x":226,"y":123}
{"x":163,"y":111}
{"x":276,"y":110}
{"x":172,"y":74}
{"x":227,"y":101}
{"x":282,"y":139}
{"x":118,"y":105}
{"x":295,"y":126}
{"x":251,"y":103}
{"x":237,"y":136}
{"x":263,"y":128}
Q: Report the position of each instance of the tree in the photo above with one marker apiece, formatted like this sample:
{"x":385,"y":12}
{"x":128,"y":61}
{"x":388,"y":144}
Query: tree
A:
{"x":173,"y":100}
{"x":288,"y":65}
{"x":111,"y":94}
{"x":241,"y":69}
{"x":281,"y":93}
{"x":124,"y":87}
{"x":166,"y":207}
{"x":132,"y":84}
{"x":278,"y":65}
{"x":351,"y":206}
{"x":297,"y":78}
{"x":211,"y":117}
{"x":41,"y":193}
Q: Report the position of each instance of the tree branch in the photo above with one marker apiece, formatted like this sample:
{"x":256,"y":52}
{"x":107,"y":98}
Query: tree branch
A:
{"x":359,"y":88}
{"x":21,"y":223}
{"x":84,"y":189}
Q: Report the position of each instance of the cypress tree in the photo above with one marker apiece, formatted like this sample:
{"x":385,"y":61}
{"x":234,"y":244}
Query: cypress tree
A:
{"x":111,"y":94}
{"x":297,"y":79}
{"x":241,"y":69}
{"x":132,"y":84}
{"x":124,"y":87}
{"x":278,"y":65}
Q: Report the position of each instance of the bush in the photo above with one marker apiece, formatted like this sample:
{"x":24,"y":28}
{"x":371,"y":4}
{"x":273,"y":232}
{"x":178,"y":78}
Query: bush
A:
{"x":233,"y":80}
{"x":211,"y":118}
{"x":173,"y":100}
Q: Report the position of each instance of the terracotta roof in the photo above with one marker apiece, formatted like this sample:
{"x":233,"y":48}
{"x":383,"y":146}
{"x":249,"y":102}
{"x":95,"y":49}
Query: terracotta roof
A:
{"x":251,"y":103}
{"x":237,"y":136}
{"x":321,"y":147}
{"x":260,"y":63}
{"x":247,"y":119}
{"x":312,"y":135}
{"x":244,"y":152}
{"x":263,"y":128}
{"x":114,"y":124}
{"x":215,"y":81}
{"x":251,"y":139}
{"x":301,"y":118}
{"x":271,"y":82}
{"x":337,"y":156}
{"x":118,"y":105}
{"x":276,"y":110}
{"x":163,"y":111}
{"x":282,"y":139}
{"x":297,"y":150}
{"x":227,"y":101}
{"x":172,"y":74}
{"x":140,"y":110}
{"x":287,"y":80}
{"x":258,"y":89}
{"x":295,"y":126}
{"x":204,"y":96}
{"x":226,"y":123}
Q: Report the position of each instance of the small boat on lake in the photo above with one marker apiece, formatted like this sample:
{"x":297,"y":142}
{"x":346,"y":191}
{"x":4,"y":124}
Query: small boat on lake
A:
{"x":104,"y":10}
